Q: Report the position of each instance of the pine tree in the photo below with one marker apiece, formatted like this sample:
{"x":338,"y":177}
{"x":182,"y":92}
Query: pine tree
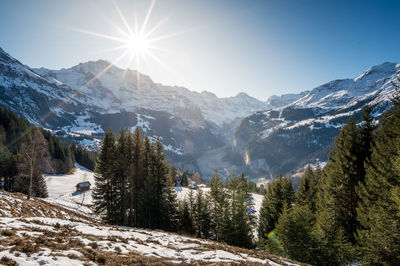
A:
{"x":185,"y":219}
{"x":104,"y":173}
{"x":280,"y":195}
{"x":218,"y":196}
{"x":379,"y":234}
{"x":137,"y":180}
{"x":295,"y":231}
{"x":149,"y":186}
{"x":307,"y":193}
{"x":159,"y":173}
{"x":241,"y":221}
{"x":342,"y":178}
{"x":336,"y":217}
{"x":201,"y":215}
{"x":169,"y":211}
{"x":122,"y":174}
{"x":29,"y":179}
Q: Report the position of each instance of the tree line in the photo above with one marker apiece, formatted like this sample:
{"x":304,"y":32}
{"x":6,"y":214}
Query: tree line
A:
{"x":26,"y":152}
{"x":349,"y":211}
{"x":135,"y":186}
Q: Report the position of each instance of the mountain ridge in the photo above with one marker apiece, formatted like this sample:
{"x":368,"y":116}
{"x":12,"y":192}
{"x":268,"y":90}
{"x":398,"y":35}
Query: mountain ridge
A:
{"x":199,"y":130}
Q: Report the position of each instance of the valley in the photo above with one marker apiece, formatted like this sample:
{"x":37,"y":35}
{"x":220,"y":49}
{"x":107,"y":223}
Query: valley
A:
{"x":199,"y":130}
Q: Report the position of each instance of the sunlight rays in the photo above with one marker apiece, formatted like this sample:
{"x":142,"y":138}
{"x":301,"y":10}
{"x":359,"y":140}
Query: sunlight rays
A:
{"x":135,"y":44}
{"x":136,"y":41}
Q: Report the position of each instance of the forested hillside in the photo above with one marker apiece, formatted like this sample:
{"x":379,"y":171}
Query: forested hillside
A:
{"x":347,"y":212}
{"x":28,"y":151}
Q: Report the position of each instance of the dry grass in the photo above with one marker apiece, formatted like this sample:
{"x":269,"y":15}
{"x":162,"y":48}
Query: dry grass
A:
{"x":66,"y":238}
{"x":7,"y":261}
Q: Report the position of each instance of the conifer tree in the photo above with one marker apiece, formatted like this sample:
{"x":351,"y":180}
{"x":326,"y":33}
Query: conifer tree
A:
{"x":241,"y":220}
{"x":379,"y":234}
{"x":149,"y":186}
{"x":29,"y":179}
{"x":169,"y":211}
{"x":342,"y":178}
{"x":280,"y":195}
{"x":121,"y":172}
{"x":137,"y":179}
{"x":295,"y":231}
{"x":185,"y":220}
{"x":201,"y":215}
{"x":307,"y":193}
{"x":104,"y":173}
{"x":159,"y":173}
{"x":218,"y":196}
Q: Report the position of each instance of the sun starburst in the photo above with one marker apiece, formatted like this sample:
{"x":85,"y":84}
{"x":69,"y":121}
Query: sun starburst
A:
{"x":136,"y":42}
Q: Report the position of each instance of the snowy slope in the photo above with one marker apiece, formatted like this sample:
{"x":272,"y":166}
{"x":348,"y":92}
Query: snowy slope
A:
{"x":275,"y":101}
{"x":37,"y":233}
{"x":62,"y":190}
{"x":284,"y":139}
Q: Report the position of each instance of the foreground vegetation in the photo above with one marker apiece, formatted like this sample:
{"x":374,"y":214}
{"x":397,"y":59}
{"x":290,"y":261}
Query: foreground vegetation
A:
{"x":350,"y":210}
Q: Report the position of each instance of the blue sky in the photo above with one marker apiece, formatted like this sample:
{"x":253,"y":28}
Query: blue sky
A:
{"x":258,"y":47}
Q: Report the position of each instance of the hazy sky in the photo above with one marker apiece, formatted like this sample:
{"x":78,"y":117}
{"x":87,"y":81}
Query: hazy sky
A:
{"x":258,"y":47}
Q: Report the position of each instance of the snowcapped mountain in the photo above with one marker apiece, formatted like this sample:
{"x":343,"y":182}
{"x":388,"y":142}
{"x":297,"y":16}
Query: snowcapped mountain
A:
{"x":125,"y":89}
{"x":278,"y":101}
{"x":81,"y":102}
{"x":283,"y":139}
{"x":199,"y":130}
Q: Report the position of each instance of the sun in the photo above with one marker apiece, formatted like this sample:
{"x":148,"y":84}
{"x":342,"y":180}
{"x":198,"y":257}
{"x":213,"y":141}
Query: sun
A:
{"x":138,"y":45}
{"x":136,"y":41}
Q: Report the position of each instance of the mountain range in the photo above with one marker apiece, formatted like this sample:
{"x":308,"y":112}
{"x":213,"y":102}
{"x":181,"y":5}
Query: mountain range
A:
{"x":199,"y":130}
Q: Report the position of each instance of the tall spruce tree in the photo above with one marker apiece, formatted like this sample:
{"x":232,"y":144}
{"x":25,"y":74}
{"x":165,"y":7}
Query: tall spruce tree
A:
{"x":336,"y":219}
{"x":159,"y":173}
{"x":295,"y":232}
{"x":169,"y":206}
{"x":280,"y":194}
{"x":149,"y":186}
{"x":307,"y":192}
{"x":218,"y":196}
{"x":103,"y":193}
{"x":121,"y":172}
{"x":379,"y":235}
{"x":33,"y":152}
{"x":238,"y":219}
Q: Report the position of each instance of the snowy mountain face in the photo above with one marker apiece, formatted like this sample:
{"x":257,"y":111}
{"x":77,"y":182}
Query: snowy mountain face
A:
{"x":199,"y":130}
{"x":275,"y":101}
{"x":80,"y":103}
{"x":283,"y":139}
{"x":119,"y":89}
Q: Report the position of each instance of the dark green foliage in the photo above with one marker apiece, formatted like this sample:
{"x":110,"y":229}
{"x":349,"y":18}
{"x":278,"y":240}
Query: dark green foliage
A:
{"x":201,"y":215}
{"x":184,"y":179}
{"x":237,"y":222}
{"x":378,"y":212}
{"x":339,"y":199}
{"x":169,"y":204}
{"x":218,"y":196}
{"x":103,"y":198}
{"x":132,"y":186}
{"x":16,"y":136}
{"x":280,"y":195}
{"x":31,"y":155}
{"x":309,"y":186}
{"x":295,"y":232}
{"x":84,"y":157}
{"x":61,"y":157}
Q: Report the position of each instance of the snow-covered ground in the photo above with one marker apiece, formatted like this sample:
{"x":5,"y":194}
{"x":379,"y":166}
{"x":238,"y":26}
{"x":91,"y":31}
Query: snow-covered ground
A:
{"x":33,"y":232}
{"x":62,"y":190}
